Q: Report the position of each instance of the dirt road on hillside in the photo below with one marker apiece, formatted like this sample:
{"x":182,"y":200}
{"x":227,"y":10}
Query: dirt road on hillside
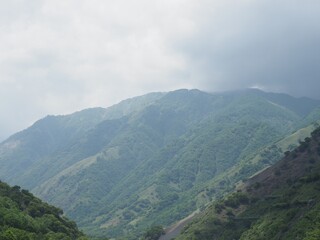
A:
{"x":175,"y":229}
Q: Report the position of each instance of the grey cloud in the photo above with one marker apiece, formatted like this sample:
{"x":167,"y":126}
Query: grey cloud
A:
{"x":271,"y":44}
{"x":61,"y":56}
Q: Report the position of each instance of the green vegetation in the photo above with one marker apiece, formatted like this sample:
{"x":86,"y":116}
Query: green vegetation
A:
{"x":153,"y":159}
{"x":154,"y":233}
{"x":271,"y":205}
{"x":24,"y":217}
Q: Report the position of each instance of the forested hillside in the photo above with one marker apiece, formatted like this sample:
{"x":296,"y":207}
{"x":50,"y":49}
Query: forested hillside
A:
{"x":153,"y":160}
{"x":281,"y":202}
{"x":24,"y":217}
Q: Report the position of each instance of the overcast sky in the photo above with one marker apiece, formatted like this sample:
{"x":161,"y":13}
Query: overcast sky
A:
{"x":60,"y":56}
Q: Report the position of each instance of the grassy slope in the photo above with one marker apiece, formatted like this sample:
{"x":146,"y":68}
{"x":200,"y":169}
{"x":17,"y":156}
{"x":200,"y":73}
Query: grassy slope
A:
{"x":282,"y":202}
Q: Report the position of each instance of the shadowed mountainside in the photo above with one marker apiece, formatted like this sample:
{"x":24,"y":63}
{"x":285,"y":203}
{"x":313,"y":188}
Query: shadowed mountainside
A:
{"x":281,"y":202}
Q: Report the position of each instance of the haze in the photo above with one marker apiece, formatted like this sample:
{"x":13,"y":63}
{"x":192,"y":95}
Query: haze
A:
{"x":58,"y":57}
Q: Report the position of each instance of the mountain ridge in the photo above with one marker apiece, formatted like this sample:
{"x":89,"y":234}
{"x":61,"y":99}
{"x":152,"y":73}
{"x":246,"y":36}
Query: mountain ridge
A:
{"x":150,"y":160}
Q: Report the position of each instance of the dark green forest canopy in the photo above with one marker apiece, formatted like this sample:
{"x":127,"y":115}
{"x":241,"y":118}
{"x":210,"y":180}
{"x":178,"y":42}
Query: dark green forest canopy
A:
{"x":25,"y":217}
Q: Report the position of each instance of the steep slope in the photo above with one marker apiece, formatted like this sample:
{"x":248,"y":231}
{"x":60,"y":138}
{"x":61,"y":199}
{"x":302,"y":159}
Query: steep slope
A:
{"x":138,"y":139}
{"x":149,"y":160}
{"x":281,"y":202}
{"x":161,"y":187}
{"x":24,"y":217}
{"x":259,"y":160}
{"x":59,"y":141}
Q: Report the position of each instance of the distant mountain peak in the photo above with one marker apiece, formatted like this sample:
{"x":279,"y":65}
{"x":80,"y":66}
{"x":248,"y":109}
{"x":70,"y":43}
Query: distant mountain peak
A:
{"x":150,"y":159}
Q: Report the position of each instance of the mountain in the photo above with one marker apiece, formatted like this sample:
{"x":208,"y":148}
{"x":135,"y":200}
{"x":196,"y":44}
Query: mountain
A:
{"x":281,"y":202}
{"x":154,"y":159}
{"x":58,"y":142}
{"x":25,"y":217}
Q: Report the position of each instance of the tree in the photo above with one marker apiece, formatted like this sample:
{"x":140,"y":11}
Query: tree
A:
{"x":154,"y":233}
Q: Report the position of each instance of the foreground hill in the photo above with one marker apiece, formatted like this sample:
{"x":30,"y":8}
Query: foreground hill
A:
{"x":24,"y":217}
{"x":281,"y":202}
{"x":153,"y":159}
